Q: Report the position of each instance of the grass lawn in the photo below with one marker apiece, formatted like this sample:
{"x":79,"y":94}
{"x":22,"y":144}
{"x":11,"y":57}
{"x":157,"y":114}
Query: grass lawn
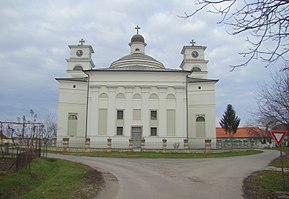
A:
{"x":277,"y":162}
{"x":51,"y":178}
{"x":264,"y":184}
{"x":163,"y":155}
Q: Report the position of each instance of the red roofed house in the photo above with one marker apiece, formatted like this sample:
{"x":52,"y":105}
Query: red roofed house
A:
{"x":244,"y":137}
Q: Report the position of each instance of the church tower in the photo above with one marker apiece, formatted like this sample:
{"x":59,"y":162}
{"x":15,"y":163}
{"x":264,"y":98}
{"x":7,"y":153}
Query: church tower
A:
{"x":194,"y":61}
{"x":80,"y":59}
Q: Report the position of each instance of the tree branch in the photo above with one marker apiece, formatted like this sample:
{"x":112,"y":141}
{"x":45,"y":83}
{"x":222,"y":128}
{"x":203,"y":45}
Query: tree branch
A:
{"x":266,"y":21}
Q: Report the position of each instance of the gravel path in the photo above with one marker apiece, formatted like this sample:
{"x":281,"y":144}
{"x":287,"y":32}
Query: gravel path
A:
{"x":175,"y":178}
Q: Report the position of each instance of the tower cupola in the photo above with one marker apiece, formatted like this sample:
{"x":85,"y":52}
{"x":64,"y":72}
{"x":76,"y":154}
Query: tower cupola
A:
{"x":137,"y":43}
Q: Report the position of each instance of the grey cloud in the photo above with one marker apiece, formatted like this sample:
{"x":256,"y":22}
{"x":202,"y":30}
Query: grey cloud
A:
{"x":35,"y":36}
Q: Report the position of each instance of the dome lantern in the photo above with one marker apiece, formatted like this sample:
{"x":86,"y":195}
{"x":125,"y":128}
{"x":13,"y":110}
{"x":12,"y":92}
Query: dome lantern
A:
{"x":137,"y":60}
{"x":137,"y":43}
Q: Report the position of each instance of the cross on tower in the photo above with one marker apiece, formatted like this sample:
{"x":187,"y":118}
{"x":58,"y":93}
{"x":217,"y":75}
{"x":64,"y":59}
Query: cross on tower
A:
{"x":82,"y":41}
{"x":137,"y":28}
{"x":193,"y":42}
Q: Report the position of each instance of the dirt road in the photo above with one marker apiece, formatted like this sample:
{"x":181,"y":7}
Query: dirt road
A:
{"x":175,"y":178}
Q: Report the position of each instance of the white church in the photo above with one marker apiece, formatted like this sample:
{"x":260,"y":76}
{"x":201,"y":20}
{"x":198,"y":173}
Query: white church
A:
{"x":136,"y":102}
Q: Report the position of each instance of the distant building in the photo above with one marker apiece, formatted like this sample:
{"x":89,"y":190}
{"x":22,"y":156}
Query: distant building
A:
{"x":136,"y":100}
{"x":249,"y":135}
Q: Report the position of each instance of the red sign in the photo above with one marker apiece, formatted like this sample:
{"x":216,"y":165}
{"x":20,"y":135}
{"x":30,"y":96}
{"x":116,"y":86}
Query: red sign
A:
{"x":278,"y":136}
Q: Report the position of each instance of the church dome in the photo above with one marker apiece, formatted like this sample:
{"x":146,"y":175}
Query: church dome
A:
{"x":137,"y":61}
{"x":137,"y":38}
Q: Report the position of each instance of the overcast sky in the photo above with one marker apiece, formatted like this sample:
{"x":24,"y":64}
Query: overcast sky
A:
{"x":34,"y":39}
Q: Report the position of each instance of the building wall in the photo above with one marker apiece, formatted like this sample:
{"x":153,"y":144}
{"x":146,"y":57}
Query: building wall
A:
{"x":72,"y":99}
{"x":139,"y":91}
{"x":201,"y":103}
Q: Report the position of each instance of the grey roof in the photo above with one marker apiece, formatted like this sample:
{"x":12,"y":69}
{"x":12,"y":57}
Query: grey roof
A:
{"x":81,"y":79}
{"x":138,"y":68}
{"x":137,"y":59}
{"x":137,"y":38}
{"x":195,"y":80}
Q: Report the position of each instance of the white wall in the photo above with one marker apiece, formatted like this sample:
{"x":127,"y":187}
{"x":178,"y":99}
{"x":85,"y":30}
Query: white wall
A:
{"x":202,"y":103}
{"x":145,"y":84}
{"x":71,"y":100}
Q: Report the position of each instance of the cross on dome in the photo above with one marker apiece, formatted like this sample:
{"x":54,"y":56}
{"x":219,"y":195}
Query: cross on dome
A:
{"x":137,"y":28}
{"x":82,"y":41}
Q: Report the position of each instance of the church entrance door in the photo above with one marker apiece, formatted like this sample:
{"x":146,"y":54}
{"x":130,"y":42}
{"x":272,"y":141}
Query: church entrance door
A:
{"x":136,"y":133}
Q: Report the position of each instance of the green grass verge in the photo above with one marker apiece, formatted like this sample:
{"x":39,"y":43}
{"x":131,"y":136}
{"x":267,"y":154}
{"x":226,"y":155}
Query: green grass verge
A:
{"x":49,"y":178}
{"x":271,"y":181}
{"x":264,"y":184}
{"x":164,"y":155}
{"x":277,"y":161}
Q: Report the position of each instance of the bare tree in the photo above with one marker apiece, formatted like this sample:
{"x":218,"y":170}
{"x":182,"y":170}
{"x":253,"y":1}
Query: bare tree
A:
{"x":50,"y":128}
{"x":50,"y":124}
{"x":273,"y":101}
{"x":265,"y":21}
{"x":261,"y":130}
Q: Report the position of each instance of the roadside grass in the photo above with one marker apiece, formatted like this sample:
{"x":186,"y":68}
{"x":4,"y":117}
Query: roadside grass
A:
{"x":277,"y":161}
{"x":163,"y":155}
{"x":49,"y":178}
{"x":264,"y":184}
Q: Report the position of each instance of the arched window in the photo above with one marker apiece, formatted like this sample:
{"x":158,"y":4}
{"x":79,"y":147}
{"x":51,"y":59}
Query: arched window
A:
{"x":120,"y":96}
{"x":171,"y":96}
{"x":200,"y":119}
{"x":77,"y":67}
{"x":154,"y":96}
{"x":200,"y":126}
{"x":196,"y":69}
{"x":72,"y":117}
{"x":72,"y":124}
{"x":136,"y":96}
{"x":103,"y":95}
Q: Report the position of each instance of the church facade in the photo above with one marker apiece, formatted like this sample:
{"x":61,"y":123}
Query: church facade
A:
{"x":136,"y":102}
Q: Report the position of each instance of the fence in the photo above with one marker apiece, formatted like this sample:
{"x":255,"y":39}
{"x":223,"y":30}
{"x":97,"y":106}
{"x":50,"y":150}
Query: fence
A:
{"x":15,"y":158}
{"x":164,"y":145}
{"x":25,"y":157}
